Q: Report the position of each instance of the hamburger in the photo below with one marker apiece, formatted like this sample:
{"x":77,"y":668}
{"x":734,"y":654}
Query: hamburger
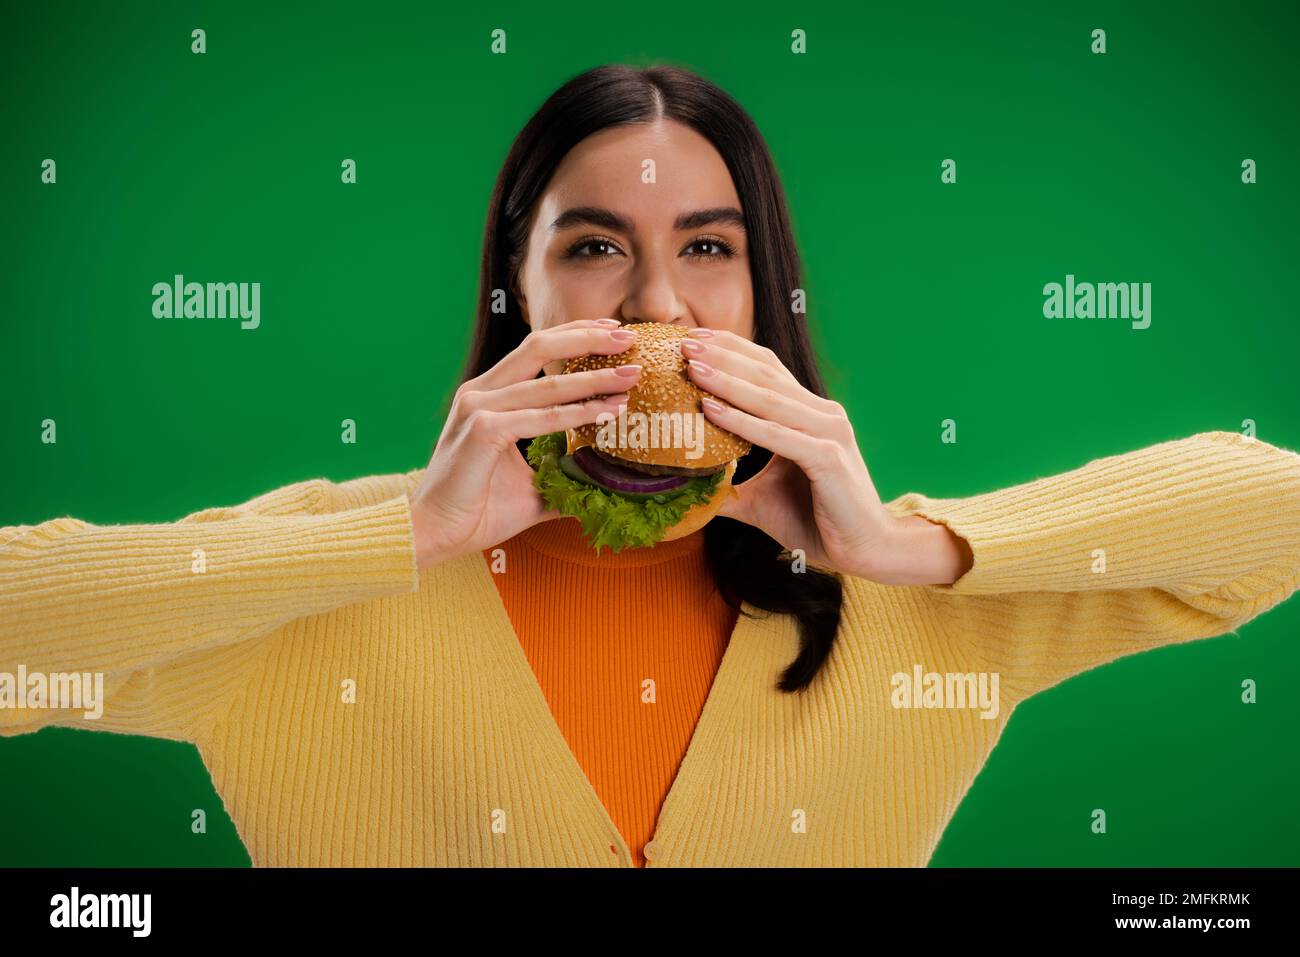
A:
{"x":657,"y":471}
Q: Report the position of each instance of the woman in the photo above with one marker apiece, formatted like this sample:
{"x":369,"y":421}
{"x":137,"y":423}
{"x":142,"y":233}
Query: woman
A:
{"x":431,"y":669}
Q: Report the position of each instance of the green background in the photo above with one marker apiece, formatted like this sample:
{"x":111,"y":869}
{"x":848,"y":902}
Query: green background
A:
{"x":925,"y":301}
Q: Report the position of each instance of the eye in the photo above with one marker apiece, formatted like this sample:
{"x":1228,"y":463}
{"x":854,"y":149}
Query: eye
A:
{"x":719,"y":249}
{"x":576,"y":250}
{"x":725,"y":249}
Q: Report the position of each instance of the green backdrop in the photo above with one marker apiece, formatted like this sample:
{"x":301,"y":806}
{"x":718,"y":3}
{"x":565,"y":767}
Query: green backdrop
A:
{"x":925,"y":298}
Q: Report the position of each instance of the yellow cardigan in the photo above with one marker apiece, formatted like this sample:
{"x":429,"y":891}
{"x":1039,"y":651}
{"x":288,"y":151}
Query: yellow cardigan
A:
{"x":448,"y":754}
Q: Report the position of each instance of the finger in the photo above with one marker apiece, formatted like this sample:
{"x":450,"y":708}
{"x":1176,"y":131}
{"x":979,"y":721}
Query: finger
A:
{"x":737,"y":506}
{"x":763,"y":364}
{"x":814,"y":454}
{"x":729,"y":340}
{"x":485,"y":435}
{"x":548,"y":390}
{"x":762,"y":367}
{"x":529,"y":423}
{"x":548,"y":345}
{"x":764,"y":401}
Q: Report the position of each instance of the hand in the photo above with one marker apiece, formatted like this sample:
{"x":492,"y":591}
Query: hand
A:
{"x":478,"y":490}
{"x":816,"y":493}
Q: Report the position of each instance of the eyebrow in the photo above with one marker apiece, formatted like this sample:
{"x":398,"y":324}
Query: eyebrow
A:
{"x":608,"y":219}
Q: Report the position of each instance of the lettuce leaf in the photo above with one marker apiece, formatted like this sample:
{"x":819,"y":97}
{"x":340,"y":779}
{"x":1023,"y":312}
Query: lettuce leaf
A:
{"x":609,"y":519}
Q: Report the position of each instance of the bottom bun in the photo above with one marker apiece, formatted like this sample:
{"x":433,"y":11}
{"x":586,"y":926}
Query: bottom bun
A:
{"x":700,"y":514}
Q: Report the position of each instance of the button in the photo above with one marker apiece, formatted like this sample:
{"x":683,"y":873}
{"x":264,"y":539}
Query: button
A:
{"x":652,"y":850}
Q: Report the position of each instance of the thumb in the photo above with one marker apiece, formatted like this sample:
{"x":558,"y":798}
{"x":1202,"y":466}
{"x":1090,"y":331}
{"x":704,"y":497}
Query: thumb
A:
{"x":737,"y":502}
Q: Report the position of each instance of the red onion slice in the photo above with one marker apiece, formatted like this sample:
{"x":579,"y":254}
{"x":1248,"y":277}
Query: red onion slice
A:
{"x":620,"y":479}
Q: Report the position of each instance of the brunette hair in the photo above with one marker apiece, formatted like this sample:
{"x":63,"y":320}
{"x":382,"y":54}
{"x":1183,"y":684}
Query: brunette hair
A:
{"x":747,"y":564}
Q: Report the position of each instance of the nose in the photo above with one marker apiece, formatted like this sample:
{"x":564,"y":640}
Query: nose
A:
{"x":651,"y":295}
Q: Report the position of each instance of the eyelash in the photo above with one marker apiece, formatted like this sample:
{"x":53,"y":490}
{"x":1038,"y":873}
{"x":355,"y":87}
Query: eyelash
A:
{"x":727,"y":250}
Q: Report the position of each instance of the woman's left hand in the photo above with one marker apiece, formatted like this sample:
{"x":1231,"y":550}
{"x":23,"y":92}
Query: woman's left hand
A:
{"x":816,"y":493}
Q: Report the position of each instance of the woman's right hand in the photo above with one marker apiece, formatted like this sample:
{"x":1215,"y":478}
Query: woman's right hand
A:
{"x":478,"y":490}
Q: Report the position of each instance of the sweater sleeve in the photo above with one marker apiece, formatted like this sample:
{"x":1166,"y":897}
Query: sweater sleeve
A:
{"x":164,"y":614}
{"x":1186,"y":539}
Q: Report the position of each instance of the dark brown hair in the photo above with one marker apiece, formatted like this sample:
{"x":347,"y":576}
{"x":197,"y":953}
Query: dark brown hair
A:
{"x":747,"y":564}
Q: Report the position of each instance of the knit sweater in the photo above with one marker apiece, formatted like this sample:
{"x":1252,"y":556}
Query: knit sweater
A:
{"x":355,"y":711}
{"x":625,"y":647}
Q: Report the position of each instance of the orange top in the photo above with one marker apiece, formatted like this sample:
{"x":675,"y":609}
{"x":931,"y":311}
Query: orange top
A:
{"x":625,"y":648}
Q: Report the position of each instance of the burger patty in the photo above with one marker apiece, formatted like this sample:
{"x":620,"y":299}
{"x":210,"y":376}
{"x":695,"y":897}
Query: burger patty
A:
{"x":656,"y":469}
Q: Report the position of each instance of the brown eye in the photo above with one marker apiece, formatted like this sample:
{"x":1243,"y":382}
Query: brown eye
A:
{"x":723,"y":249}
{"x":576,"y":250}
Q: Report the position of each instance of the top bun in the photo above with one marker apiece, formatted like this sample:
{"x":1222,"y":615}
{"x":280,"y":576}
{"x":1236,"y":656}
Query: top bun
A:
{"x":662,"y":388}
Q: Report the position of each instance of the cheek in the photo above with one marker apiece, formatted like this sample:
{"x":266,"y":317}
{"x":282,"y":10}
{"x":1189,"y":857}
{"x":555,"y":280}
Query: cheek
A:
{"x":563,"y":298}
{"x":727,"y":306}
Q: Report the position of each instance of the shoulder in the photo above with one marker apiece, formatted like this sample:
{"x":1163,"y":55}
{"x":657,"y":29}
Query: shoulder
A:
{"x":869,"y":606}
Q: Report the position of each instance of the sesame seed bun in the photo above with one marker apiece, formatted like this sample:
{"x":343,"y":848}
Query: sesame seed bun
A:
{"x":700,"y":514}
{"x":662,"y":388}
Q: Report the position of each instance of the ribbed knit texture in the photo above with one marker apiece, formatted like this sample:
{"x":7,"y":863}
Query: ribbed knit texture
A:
{"x":450,"y":754}
{"x":625,"y":647}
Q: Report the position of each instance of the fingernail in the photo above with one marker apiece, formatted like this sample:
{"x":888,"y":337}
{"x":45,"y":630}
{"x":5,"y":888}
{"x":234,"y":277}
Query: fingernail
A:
{"x":692,"y":348}
{"x":608,"y":323}
{"x":622,"y":335}
{"x":701,"y":368}
{"x":711,"y":406}
{"x":628,"y":370}
{"x":618,"y":399}
{"x":700,"y":332}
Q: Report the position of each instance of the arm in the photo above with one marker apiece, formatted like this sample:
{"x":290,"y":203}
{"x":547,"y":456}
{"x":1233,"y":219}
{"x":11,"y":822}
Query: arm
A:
{"x":920,"y":552}
{"x":1181,"y":540}
{"x":166,"y":612}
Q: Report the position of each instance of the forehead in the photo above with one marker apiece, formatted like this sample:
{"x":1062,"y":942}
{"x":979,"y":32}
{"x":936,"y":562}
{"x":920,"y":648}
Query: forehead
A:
{"x":606,"y":169}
